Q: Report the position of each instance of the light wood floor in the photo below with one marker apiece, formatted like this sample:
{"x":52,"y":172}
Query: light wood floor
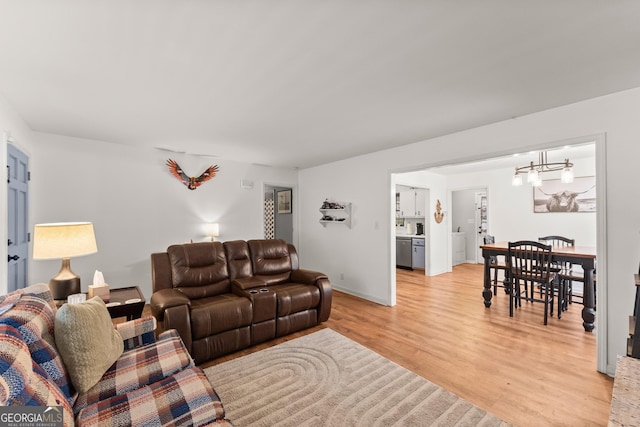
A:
{"x":516,"y":368}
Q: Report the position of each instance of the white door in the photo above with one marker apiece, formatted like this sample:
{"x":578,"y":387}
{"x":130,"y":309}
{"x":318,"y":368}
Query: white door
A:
{"x":17,"y":214}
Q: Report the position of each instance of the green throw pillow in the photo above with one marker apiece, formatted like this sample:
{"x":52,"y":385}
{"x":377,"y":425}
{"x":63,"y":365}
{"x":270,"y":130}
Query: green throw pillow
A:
{"x":87,"y":341}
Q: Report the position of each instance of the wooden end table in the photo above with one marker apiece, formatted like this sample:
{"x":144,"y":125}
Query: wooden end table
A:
{"x":119,"y":307}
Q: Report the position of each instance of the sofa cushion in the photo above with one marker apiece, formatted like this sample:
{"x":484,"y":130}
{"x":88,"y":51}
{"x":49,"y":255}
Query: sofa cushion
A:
{"x":199,"y":270}
{"x":33,"y":317}
{"x":238,"y":259}
{"x":295,"y":297}
{"x":138,"y":367}
{"x":15,"y":364}
{"x":87,"y":341}
{"x":185,"y":398}
{"x":40,"y":290}
{"x":210,"y":316}
{"x":31,"y":370}
{"x":270,"y":260}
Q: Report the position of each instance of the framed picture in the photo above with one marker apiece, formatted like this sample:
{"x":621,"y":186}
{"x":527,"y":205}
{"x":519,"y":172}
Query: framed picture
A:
{"x":283,"y":200}
{"x":554,"y":196}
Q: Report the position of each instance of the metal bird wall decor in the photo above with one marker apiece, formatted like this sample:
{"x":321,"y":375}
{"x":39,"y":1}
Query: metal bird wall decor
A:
{"x":191,"y":182}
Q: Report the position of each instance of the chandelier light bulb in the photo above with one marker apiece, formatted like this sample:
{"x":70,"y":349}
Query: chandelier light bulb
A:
{"x":516,"y":181}
{"x":566,"y":176}
{"x":535,"y":170}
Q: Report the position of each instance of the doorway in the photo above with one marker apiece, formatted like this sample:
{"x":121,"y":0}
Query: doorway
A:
{"x":18,"y":236}
{"x":278,"y":213}
{"x":460,"y":174}
{"x":469,"y":222}
{"x":411,"y":231}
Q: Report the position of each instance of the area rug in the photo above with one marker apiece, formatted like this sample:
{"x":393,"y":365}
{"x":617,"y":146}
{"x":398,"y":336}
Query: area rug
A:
{"x":326,"y":379}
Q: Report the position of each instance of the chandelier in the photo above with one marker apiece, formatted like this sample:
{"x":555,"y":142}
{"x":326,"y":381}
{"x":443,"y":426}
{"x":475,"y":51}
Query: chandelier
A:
{"x":534,"y":171}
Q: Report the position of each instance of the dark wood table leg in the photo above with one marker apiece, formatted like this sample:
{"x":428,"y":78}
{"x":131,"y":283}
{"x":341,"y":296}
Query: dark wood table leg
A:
{"x":589,"y":309}
{"x":486,"y":293}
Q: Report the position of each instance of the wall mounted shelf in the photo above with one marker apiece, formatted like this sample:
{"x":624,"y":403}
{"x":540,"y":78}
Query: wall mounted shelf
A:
{"x":335,"y":213}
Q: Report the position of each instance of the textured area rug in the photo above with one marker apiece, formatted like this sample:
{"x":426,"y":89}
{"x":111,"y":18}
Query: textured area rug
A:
{"x":326,"y":379}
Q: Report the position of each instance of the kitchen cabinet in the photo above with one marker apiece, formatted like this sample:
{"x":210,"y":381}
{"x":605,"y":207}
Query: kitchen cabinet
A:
{"x":411,"y":203}
{"x":335,"y":213}
{"x":459,"y":244}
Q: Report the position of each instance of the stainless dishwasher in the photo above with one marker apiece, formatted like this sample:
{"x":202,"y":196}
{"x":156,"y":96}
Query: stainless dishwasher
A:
{"x":403,"y":252}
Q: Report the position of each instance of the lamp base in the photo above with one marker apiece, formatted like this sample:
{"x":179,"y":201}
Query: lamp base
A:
{"x":65,"y":283}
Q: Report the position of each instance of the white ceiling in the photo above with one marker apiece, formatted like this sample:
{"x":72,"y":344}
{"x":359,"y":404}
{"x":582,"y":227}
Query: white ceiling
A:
{"x":298,"y":83}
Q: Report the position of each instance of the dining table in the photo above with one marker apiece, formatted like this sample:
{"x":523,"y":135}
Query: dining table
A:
{"x":585,"y":256}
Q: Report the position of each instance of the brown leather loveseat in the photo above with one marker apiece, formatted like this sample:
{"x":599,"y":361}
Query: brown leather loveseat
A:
{"x":223,"y":297}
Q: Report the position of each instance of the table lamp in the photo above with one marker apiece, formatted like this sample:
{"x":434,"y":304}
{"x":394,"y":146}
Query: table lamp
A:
{"x":212,"y":230}
{"x":64,"y":240}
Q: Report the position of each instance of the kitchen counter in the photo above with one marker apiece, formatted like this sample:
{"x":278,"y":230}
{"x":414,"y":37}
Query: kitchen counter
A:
{"x":414,"y":236}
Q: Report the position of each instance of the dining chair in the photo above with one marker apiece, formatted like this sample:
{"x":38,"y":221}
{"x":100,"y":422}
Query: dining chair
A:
{"x":566,"y":272}
{"x":495,"y":265}
{"x":530,"y":265}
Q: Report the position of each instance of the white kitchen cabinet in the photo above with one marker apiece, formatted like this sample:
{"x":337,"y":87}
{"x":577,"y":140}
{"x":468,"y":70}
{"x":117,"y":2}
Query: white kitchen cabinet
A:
{"x":412,"y":203}
{"x":420,"y":202}
{"x":459,"y":244}
{"x":407,"y":202}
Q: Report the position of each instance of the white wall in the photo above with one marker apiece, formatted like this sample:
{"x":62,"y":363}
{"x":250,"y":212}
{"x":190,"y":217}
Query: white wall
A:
{"x":136,"y":206}
{"x":364,"y":252}
{"x":510,"y":209}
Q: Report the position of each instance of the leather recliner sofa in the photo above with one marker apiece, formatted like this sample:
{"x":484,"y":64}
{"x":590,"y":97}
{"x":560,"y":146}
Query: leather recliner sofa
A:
{"x":223,"y":297}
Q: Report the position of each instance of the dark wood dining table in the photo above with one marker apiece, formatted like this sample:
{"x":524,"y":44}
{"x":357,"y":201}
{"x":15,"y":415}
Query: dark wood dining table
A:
{"x":585,"y":256}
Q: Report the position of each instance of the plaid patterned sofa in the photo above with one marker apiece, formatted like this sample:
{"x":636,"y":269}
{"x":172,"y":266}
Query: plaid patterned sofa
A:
{"x":153,"y":383}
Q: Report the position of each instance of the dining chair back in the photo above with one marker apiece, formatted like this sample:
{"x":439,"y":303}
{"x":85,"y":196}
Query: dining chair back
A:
{"x":557,"y":241}
{"x":567,"y":272}
{"x":495,"y":265}
{"x":529,"y":267}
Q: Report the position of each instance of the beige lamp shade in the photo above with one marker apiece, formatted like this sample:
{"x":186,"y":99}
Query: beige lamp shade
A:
{"x":212,"y":229}
{"x":63,"y":240}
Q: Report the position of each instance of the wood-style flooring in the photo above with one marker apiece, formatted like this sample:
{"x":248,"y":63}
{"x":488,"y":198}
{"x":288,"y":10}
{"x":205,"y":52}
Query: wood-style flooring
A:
{"x":516,"y":368}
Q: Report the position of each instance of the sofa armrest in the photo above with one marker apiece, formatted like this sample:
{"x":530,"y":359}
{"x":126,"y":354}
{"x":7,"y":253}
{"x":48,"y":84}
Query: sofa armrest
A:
{"x":325,"y":299}
{"x":137,"y":332}
{"x":321,"y":281}
{"x":165,"y":299}
{"x":173,"y":310}
{"x":248,"y":283}
{"x":307,"y":277}
{"x":179,"y":318}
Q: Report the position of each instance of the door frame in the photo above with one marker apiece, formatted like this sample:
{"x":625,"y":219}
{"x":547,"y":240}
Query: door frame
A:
{"x":6,"y":138}
{"x":603,"y":363}
{"x":294,"y":207}
{"x":4,"y":215}
{"x":22,"y":235}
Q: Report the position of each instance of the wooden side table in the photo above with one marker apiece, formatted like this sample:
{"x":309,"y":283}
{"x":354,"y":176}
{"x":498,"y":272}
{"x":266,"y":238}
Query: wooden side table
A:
{"x":126,"y":302}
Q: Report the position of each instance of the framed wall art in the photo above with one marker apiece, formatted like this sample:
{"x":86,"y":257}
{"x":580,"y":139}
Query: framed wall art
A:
{"x":555,"y":196}
{"x":283,"y":201}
